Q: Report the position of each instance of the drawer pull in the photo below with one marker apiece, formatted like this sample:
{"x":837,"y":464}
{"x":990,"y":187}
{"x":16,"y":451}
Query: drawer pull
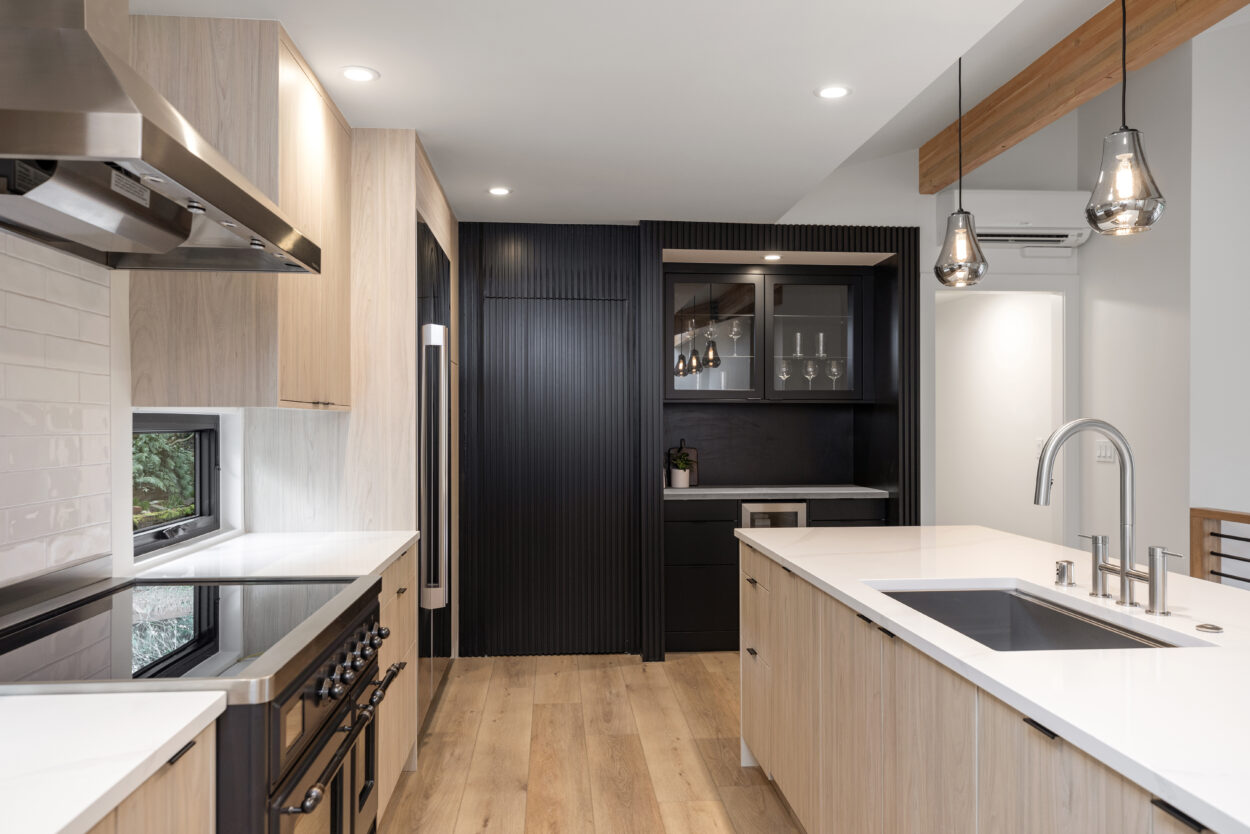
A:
{"x":1178,"y":815}
{"x":1050,"y":734}
{"x":886,"y":632}
{"x":862,"y":617}
{"x":184,"y":750}
{"x":753,"y":580}
{"x":752,"y":652}
{"x":400,"y":592}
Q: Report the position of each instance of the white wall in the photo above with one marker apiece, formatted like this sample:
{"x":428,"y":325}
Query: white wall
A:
{"x":55,"y":398}
{"x":1219,"y":288}
{"x":1135,"y":315}
{"x":1000,"y":390}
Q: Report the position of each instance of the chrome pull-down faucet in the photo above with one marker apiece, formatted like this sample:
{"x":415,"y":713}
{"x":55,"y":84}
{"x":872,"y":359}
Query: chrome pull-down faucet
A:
{"x":1045,"y":479}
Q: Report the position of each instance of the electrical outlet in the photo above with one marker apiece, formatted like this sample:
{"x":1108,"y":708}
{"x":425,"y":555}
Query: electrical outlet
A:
{"x":1104,"y":452}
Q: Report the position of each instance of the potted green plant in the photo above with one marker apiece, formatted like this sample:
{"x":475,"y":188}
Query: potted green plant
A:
{"x":680,"y":463}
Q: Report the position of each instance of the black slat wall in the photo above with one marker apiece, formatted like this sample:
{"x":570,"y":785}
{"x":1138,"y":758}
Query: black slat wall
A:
{"x":553,"y":313}
{"x":550,"y":541}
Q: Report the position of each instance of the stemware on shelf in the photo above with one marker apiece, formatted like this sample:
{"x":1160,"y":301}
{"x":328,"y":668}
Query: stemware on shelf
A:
{"x":833,"y":370}
{"x":809,"y":372}
{"x":820,"y":345}
{"x":735,"y":333}
{"x":784,"y":373}
{"x":798,"y":345}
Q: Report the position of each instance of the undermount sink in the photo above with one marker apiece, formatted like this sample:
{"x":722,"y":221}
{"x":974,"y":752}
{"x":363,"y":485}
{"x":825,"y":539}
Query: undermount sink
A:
{"x":1007,"y":620}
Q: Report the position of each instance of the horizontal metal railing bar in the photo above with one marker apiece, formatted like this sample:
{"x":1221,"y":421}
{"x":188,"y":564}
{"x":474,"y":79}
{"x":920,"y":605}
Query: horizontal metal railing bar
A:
{"x":1230,"y":556}
{"x":1231,"y":536}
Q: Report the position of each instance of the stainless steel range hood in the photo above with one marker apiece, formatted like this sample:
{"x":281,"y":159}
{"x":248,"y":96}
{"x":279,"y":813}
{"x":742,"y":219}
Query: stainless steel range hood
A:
{"x":95,"y":162}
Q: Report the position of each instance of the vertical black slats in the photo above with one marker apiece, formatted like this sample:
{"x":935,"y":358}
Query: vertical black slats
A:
{"x":549,"y":558}
{"x":652,"y":365}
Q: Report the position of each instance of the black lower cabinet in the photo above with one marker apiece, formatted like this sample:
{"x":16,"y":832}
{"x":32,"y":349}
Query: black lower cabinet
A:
{"x":700,"y":576}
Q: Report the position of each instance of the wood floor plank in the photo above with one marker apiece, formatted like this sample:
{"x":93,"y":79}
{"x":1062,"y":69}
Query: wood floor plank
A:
{"x":709,"y":702}
{"x":678,"y":773}
{"x":656,"y":710}
{"x":495,"y":791}
{"x":724,"y":664}
{"x":429,"y":799}
{"x":556,"y":680}
{"x":459,"y":709}
{"x":620,"y":786}
{"x":723,"y":757}
{"x":696,"y":818}
{"x":559,"y":799}
{"x":605,"y":703}
{"x":758,"y":810}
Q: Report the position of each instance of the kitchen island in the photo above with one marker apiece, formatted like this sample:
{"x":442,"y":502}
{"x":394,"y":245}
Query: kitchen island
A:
{"x":1167,"y":725}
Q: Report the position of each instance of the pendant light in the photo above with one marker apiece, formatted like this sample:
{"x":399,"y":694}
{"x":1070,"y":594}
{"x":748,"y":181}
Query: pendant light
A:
{"x":960,"y":263}
{"x":681,"y":369}
{"x":1126,"y":200}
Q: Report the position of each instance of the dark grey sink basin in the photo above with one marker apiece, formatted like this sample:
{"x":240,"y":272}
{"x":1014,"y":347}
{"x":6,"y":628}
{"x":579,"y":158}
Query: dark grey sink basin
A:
{"x":1009,"y":621}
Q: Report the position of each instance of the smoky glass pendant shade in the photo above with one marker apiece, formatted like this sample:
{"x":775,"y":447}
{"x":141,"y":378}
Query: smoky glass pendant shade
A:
{"x":680,"y":370}
{"x":1126,"y":199}
{"x":711,"y":356}
{"x":696,"y":366}
{"x":960,"y":263}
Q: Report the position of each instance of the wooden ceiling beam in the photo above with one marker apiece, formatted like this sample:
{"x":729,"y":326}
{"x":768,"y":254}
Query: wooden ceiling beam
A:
{"x":1075,"y":70}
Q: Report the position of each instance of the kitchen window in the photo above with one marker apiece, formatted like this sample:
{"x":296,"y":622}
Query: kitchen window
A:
{"x":176,"y":479}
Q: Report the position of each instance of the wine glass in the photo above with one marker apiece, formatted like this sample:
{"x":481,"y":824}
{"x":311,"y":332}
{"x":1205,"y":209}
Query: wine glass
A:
{"x":735,"y":333}
{"x":834,"y":371}
{"x":710,"y":332}
{"x":784,"y":373}
{"x":820,"y":345}
{"x":809,"y":372}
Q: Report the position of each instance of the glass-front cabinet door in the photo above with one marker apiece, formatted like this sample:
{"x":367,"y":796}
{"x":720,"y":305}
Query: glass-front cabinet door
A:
{"x":714,"y":336}
{"x":813,"y":337}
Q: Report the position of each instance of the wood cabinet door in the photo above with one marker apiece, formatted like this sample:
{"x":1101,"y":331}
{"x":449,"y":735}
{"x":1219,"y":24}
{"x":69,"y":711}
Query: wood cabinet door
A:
{"x":180,"y":798}
{"x":756,"y":675}
{"x":1029,"y":781}
{"x":1166,"y":823}
{"x":851,"y":762}
{"x":397,"y":719}
{"x":794,"y":641}
{"x":930,"y":735}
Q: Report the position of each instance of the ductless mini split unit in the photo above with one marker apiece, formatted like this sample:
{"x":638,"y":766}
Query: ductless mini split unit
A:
{"x":1030,"y":220}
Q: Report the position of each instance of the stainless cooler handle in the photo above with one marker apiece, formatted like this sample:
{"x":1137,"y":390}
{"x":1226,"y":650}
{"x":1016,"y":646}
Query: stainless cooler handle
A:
{"x":434,"y":337}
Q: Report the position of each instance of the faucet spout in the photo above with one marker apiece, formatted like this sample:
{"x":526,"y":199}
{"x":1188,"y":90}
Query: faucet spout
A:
{"x":1045,"y":478}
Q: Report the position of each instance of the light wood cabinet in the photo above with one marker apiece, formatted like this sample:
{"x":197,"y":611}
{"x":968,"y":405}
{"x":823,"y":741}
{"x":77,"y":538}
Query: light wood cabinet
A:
{"x":1164,"y":823}
{"x":108,"y":825}
{"x":1030,"y":781}
{"x":397,"y":716}
{"x":851,"y":756}
{"x":794,"y":621}
{"x":756,"y":677}
{"x":930,"y":735}
{"x":229,"y":339}
{"x":180,"y":798}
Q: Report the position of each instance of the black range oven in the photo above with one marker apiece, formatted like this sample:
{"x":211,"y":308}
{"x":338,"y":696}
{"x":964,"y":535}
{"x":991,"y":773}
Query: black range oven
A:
{"x":297,"y":746}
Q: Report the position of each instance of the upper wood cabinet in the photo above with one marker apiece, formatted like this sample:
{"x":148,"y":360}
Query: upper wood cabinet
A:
{"x":229,"y":339}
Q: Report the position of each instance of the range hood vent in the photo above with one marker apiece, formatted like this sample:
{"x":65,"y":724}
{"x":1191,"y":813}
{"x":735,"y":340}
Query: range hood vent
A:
{"x":96,"y":163}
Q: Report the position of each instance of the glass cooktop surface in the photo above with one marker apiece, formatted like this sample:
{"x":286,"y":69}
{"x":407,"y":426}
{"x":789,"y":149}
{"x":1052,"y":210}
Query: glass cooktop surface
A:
{"x":161,"y":630}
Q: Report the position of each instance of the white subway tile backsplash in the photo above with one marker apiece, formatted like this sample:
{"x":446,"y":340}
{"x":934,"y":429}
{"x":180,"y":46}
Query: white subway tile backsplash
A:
{"x":55,"y":389}
{"x":93,"y":328}
{"x":17,"y":347}
{"x":73,"y":355}
{"x":73,"y":291}
{"x":22,"y":382}
{"x":22,"y":313}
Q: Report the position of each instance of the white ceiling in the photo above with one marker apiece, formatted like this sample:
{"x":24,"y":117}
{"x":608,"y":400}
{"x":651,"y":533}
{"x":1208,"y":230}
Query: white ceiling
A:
{"x":600,"y":112}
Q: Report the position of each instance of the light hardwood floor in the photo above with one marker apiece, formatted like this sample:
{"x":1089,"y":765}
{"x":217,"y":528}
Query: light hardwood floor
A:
{"x":593,"y":744}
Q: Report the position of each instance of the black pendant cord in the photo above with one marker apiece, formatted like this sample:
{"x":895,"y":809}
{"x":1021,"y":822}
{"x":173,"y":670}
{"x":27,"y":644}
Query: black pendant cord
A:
{"x":960,"y":73}
{"x":1123,"y":64}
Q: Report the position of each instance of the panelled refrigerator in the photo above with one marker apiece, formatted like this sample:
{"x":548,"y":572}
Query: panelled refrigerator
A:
{"x":434,"y":461}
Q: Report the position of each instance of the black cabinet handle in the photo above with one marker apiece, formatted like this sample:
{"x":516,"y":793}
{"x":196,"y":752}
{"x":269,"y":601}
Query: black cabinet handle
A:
{"x":1050,"y":734}
{"x":862,"y":617}
{"x":401,"y":592}
{"x":184,"y":750}
{"x":752,"y":652}
{"x":1178,"y":815}
{"x":753,"y":580}
{"x":886,"y":632}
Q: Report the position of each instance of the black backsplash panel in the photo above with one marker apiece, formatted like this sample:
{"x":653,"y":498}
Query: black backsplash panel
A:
{"x":766,"y":445}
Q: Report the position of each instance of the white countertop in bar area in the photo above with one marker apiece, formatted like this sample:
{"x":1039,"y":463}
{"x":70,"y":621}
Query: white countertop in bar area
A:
{"x":1173,"y":720}
{"x":71,"y":759}
{"x":771,"y":493}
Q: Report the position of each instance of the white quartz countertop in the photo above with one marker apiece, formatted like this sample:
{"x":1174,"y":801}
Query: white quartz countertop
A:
{"x":708,"y":493}
{"x":291,"y":554}
{"x":1173,"y":720}
{"x":73,"y":758}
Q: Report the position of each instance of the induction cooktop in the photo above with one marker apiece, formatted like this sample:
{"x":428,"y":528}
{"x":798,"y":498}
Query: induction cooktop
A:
{"x":164,"y":629}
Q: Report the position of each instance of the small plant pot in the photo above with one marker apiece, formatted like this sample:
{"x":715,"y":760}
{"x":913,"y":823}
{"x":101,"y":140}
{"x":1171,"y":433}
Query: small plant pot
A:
{"x":680,"y":478}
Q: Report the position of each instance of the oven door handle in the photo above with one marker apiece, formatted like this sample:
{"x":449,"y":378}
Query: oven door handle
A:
{"x":316,"y":793}
{"x":379,"y":693}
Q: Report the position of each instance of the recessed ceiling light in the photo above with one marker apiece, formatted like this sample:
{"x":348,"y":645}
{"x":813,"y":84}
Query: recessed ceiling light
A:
{"x":833,"y":92}
{"x":500,"y":191}
{"x":361,"y":74}
{"x":772,"y":257}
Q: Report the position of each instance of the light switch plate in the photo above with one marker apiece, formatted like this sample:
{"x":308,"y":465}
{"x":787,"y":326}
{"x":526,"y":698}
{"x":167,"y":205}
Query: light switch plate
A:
{"x":1104,"y":452}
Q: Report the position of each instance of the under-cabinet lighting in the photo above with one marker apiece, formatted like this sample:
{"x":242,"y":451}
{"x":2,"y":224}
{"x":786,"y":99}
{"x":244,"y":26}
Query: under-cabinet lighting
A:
{"x":772,"y":257}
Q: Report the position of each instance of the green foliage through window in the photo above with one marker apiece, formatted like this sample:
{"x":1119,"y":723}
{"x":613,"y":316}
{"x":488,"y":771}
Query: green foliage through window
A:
{"x":164,"y":477}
